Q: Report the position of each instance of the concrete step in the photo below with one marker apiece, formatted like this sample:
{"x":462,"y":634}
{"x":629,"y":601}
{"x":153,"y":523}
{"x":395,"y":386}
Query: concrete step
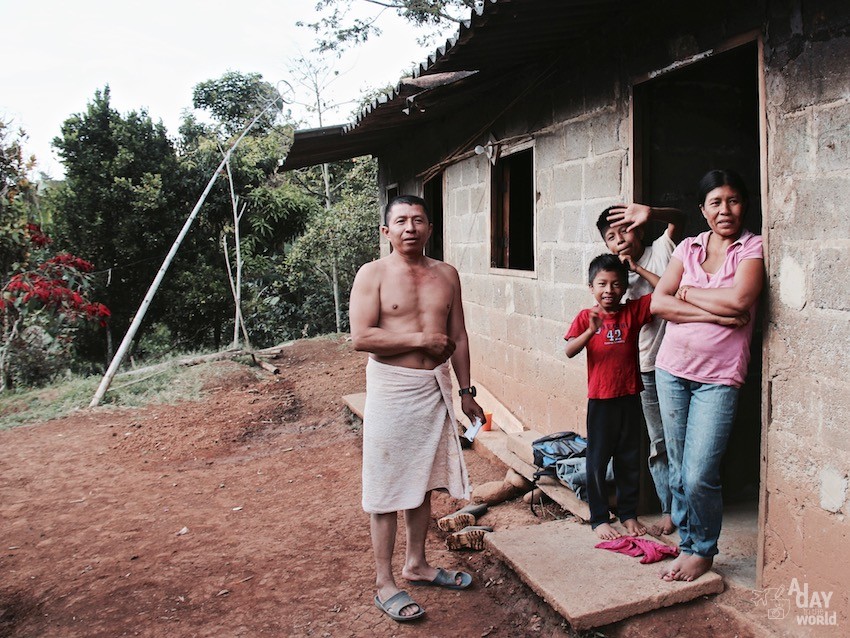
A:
{"x":356,"y":403}
{"x":494,"y":445}
{"x":589,"y":587}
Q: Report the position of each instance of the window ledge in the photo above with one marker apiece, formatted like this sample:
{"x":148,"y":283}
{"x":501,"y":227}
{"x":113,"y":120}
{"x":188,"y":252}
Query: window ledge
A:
{"x":508,"y":272}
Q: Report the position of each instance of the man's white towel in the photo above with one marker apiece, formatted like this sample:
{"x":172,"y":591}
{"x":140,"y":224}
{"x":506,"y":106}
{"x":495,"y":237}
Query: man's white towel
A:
{"x":410,"y":441}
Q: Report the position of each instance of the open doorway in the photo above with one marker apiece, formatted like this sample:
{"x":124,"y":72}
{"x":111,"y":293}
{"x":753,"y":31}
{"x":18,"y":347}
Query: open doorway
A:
{"x":686,"y":122}
{"x":433,"y":196}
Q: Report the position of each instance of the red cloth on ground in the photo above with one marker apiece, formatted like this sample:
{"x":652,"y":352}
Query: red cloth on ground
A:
{"x":652,"y":551}
{"x":623,"y":545}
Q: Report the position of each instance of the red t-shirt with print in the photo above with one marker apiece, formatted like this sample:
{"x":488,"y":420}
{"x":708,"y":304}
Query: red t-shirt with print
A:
{"x":612,"y":353}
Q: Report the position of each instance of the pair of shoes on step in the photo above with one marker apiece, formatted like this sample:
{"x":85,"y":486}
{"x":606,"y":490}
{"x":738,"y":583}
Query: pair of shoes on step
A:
{"x":471,"y":537}
{"x":465,"y":533}
{"x":464,"y":517}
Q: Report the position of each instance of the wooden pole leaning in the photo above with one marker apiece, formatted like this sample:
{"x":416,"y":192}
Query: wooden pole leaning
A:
{"x":146,"y":302}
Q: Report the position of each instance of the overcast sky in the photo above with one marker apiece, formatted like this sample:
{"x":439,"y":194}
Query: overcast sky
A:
{"x":56,"y":53}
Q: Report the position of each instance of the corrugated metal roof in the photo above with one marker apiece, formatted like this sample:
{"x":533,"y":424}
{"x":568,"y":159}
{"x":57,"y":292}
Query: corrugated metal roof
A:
{"x":500,"y":37}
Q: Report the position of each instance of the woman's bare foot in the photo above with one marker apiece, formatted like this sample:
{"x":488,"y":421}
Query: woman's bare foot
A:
{"x":671,"y":569}
{"x":663,"y":526}
{"x":606,"y":532}
{"x":634,"y":527}
{"x":690,"y":568}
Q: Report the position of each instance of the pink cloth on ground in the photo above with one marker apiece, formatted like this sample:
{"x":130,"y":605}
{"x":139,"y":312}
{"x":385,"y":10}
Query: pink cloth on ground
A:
{"x":652,"y":551}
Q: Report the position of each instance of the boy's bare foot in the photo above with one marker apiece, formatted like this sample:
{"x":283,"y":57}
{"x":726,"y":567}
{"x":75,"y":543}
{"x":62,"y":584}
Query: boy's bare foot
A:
{"x":606,"y":532}
{"x":663,"y":526}
{"x":690,"y":567}
{"x":634,"y":527}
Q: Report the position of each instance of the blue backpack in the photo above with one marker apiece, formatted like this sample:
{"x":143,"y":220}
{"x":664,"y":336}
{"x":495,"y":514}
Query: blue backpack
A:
{"x":550,"y":449}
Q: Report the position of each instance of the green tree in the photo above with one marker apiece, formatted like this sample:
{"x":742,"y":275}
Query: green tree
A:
{"x":337,"y":241}
{"x":17,"y":197}
{"x":337,"y":30}
{"x":275,"y":209}
{"x":121,"y":203}
{"x":234,"y":99}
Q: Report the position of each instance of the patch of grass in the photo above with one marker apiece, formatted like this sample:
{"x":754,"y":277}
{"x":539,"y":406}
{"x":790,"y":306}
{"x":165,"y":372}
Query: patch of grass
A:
{"x":168,"y":384}
{"x":41,"y":404}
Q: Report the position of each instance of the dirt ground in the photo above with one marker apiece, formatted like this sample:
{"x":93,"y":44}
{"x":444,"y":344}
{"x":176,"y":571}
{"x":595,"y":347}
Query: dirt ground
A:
{"x":239,"y":515}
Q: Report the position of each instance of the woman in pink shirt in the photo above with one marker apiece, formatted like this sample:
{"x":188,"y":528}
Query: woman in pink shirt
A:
{"x":708,"y":295}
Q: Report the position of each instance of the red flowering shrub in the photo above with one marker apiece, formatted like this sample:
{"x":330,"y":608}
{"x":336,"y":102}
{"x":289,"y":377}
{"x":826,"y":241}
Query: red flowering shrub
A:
{"x":37,"y":237}
{"x":41,"y":308}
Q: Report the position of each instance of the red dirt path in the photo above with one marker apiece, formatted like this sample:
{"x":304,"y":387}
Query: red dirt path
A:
{"x":264,"y":477}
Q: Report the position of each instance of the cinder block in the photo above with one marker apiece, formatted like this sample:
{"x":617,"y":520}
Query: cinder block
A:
{"x":520,"y":444}
{"x":550,"y":150}
{"x":604,"y":131}
{"x":470,"y":172}
{"x":835,"y":404}
{"x":567,"y":183}
{"x":577,"y":140}
{"x":831,"y":264}
{"x":833,"y":147}
{"x":570,"y":223}
{"x":526,"y":298}
{"x":568,"y":266}
{"x":544,"y":264}
{"x":820,"y":74}
{"x":548,"y":225}
{"x":791,"y":150}
{"x":603,"y":177}
{"x":545,"y":186}
{"x":552,"y":303}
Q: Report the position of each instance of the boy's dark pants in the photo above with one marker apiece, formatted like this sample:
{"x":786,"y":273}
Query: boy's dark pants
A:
{"x":614,"y":427}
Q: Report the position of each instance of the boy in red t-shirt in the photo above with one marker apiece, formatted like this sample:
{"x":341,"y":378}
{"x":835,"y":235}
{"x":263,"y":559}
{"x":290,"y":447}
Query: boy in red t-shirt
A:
{"x":610,"y":332}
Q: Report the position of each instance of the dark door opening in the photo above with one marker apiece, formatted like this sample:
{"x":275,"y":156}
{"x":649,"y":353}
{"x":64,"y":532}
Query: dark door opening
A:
{"x":433,"y":196}
{"x":687,"y":122}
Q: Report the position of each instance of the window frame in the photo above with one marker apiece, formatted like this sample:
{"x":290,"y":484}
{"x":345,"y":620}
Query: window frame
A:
{"x":496,"y":216}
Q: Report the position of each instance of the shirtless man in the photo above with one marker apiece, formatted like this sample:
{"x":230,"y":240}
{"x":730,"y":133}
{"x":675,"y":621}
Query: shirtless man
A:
{"x":406,"y":311}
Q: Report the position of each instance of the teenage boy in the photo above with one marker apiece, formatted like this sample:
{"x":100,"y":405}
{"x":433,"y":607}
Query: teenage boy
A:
{"x":622,"y":229}
{"x":610,"y":331}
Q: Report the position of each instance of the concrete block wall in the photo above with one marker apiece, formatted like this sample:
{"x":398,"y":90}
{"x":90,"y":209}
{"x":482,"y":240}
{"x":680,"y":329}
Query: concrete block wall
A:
{"x":517,"y":320}
{"x":807,"y":438}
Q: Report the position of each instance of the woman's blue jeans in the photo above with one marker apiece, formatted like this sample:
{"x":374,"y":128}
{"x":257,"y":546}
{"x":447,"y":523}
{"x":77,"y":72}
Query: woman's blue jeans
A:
{"x":698,"y":419}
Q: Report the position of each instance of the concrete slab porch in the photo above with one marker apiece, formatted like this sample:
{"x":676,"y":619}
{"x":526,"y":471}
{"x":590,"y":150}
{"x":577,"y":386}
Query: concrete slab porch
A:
{"x":590,"y":587}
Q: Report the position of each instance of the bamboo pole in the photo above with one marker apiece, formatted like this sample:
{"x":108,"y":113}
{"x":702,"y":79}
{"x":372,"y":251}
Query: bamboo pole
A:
{"x":146,"y":302}
{"x":237,"y":286}
{"x":239,"y":319}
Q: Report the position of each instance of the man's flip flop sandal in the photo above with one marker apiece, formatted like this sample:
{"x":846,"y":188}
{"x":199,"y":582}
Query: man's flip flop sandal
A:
{"x":471,"y":537}
{"x":446,"y":579}
{"x":393,"y":605}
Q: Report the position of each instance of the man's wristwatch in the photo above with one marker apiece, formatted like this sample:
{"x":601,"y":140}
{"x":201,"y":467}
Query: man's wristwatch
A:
{"x":470,"y":391}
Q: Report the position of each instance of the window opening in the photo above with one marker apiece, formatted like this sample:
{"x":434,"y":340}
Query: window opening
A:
{"x":512,"y":217}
